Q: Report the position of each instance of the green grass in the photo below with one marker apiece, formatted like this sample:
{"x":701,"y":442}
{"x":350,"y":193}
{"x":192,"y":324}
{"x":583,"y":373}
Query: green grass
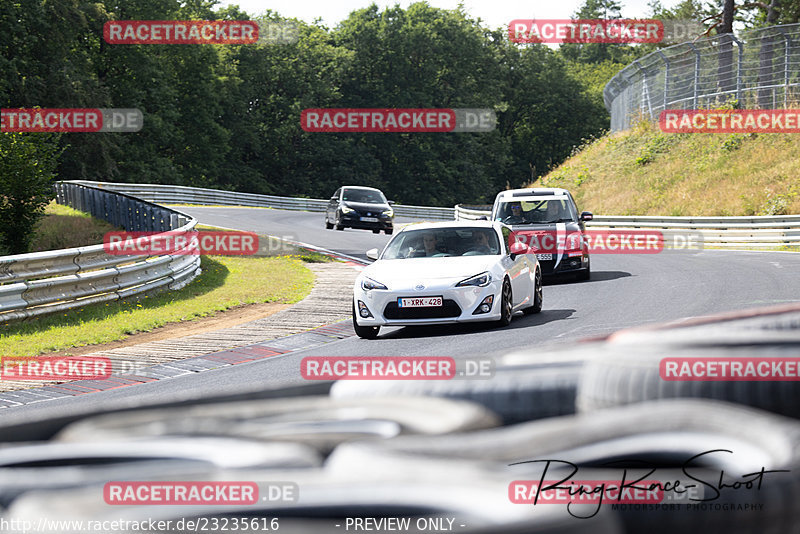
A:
{"x":64,"y":227}
{"x":643,"y":171}
{"x":227,"y":281}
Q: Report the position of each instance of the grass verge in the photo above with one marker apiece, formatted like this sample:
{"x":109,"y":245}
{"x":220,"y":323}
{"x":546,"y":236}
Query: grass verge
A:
{"x":64,"y":227}
{"x":643,"y":171}
{"x":226,"y":282}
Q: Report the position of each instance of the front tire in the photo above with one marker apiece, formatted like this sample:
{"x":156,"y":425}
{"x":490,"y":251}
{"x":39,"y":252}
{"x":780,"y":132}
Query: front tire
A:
{"x":339,"y":225}
{"x":328,"y":225}
{"x":506,"y":310}
{"x":537,"y":296}
{"x":376,"y":230}
{"x":388,"y":231}
{"x":364,"y":332}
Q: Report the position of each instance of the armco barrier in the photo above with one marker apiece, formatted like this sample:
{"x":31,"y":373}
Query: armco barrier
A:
{"x":755,"y":232}
{"x":53,"y":281}
{"x":179,"y":194}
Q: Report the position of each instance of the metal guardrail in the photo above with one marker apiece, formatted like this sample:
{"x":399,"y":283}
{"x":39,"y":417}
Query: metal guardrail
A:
{"x":41,"y":283}
{"x":759,"y":68}
{"x":758,"y":232}
{"x":179,"y":194}
{"x":471,"y":213}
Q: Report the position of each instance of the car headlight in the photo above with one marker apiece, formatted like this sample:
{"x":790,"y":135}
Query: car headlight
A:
{"x":389,"y":212}
{"x":368,"y":284}
{"x":345,"y":209}
{"x":479,"y":280}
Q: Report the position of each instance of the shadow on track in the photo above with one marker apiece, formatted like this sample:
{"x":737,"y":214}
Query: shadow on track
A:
{"x":520,"y":321}
{"x":597,"y":276}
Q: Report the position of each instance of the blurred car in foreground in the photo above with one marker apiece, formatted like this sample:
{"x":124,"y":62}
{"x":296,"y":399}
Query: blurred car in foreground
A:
{"x":447,"y":272}
{"x":359,"y":207}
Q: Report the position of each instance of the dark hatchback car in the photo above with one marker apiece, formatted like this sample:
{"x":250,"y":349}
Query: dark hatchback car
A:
{"x":359,"y":207}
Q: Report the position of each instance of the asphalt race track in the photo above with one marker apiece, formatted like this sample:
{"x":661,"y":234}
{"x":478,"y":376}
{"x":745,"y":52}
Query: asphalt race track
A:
{"x":625,"y":291}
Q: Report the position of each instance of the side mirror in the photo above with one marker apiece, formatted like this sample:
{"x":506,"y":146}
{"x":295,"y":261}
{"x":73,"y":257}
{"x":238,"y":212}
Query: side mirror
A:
{"x":518,"y":248}
{"x":372,"y":253}
{"x":390,"y":202}
{"x":587,"y":216}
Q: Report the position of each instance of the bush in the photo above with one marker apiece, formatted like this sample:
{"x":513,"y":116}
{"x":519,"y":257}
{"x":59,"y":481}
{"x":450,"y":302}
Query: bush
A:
{"x":27,"y":170}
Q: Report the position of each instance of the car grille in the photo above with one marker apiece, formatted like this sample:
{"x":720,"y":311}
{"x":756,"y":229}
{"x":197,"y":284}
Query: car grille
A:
{"x":449,"y":308}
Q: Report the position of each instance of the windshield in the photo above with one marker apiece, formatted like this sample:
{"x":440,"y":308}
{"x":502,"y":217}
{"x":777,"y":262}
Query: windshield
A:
{"x":366,"y":196}
{"x":535,"y":211}
{"x":443,"y":242}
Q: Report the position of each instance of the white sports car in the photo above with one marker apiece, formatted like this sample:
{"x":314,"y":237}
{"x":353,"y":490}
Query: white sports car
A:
{"x":448,"y":272}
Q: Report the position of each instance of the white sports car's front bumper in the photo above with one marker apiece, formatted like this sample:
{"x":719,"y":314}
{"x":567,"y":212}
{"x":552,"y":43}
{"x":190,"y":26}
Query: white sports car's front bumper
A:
{"x":459,"y":304}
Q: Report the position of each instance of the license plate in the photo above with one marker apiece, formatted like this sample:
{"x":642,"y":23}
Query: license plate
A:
{"x":420,"y":302}
{"x":369,"y":219}
{"x":545,"y":256}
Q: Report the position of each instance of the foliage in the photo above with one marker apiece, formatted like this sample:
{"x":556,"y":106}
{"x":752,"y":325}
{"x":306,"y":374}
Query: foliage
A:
{"x":27,"y":167}
{"x":228,"y":117}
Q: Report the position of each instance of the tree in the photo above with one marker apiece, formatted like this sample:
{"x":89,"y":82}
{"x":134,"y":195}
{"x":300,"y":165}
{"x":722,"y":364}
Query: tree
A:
{"x":27,"y":169}
{"x":599,"y":52}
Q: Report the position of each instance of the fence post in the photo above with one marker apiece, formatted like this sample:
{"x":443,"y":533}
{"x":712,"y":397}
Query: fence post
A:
{"x":740,"y":46}
{"x":645,"y":90}
{"x":666,"y":77}
{"x":696,"y":81}
{"x":787,"y":44}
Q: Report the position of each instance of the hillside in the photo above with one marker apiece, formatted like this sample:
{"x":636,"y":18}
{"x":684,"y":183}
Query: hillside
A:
{"x":646,"y":172}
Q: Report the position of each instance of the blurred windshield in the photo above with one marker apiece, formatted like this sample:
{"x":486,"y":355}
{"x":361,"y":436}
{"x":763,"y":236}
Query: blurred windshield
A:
{"x":535,"y":211}
{"x":443,"y":242}
{"x":367,"y":196}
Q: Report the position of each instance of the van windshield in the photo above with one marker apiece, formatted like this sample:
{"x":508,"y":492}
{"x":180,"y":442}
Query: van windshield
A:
{"x":535,"y":211}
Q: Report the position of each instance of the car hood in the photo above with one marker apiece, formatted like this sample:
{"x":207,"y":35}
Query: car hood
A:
{"x":421,"y":269}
